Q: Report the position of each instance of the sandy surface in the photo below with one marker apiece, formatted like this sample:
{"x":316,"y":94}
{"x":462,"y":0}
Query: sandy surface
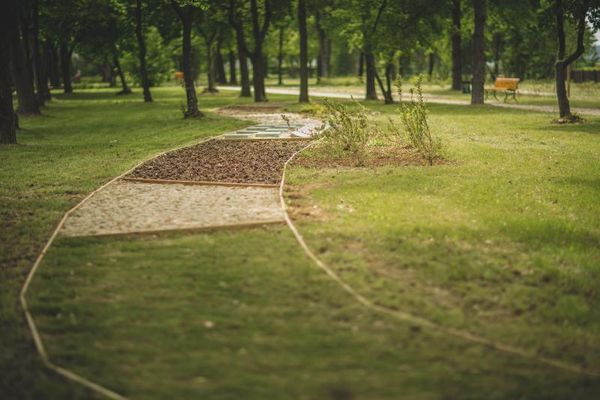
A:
{"x":126,"y":207}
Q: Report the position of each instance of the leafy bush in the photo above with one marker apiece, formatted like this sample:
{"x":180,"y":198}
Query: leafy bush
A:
{"x":416,"y":132}
{"x":158,"y":60}
{"x":349,"y":131}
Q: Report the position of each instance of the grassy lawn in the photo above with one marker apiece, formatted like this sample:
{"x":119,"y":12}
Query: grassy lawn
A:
{"x":502,"y":241}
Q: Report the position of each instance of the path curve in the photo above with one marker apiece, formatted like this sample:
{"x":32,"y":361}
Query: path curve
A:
{"x":369,"y":304}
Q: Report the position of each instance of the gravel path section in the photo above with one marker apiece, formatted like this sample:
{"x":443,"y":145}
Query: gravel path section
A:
{"x":233,"y":161}
{"x":126,"y":207}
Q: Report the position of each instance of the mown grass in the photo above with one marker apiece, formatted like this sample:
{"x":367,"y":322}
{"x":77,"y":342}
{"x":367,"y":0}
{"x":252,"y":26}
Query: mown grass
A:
{"x":503,"y":240}
{"x":81,"y":141}
{"x":230,"y":315}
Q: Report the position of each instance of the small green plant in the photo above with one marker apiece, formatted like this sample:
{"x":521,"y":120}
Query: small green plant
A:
{"x":349,"y":131}
{"x":414,"y":118}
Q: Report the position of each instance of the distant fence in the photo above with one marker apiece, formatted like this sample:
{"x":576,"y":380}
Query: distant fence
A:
{"x":585,"y":76}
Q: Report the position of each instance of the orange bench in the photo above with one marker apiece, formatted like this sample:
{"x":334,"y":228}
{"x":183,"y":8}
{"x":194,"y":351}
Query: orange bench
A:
{"x":508,"y":86}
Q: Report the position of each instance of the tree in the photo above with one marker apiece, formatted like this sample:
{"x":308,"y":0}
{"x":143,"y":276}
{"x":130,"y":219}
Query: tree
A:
{"x":22,"y":71}
{"x":456,"y":46}
{"x":8,"y":25}
{"x":139,"y":33}
{"x":576,"y":11}
{"x":41,"y":72}
{"x":303,"y":51}
{"x":236,"y":16}
{"x":478,"y":82}
{"x":186,"y":10}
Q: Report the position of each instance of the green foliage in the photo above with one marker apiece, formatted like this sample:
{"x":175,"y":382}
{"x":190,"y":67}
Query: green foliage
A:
{"x":416,"y":132}
{"x":158,"y":58}
{"x":349,"y":130}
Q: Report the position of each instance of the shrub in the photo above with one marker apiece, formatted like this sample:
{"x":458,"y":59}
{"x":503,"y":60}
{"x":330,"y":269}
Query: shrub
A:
{"x":416,"y":132}
{"x":349,"y":131}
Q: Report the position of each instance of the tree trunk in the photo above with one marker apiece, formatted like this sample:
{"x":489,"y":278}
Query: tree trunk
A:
{"x":220,"y":65}
{"x":563,"y":62}
{"x":243,"y":57}
{"x":497,"y":43}
{"x":232,"y":72}
{"x":258,"y":79}
{"x":430,"y":66}
{"x":371,"y":93}
{"x":361,"y":65}
{"x":125,"y":88}
{"x":258,"y":58}
{"x":8,"y":128}
{"x":280,"y":57}
{"x":211,"y":68}
{"x":456,"y":46}
{"x":477,"y":90}
{"x":65,"y":66}
{"x":303,"y":51}
{"x":186,"y":15}
{"x":22,"y":76}
{"x":328,"y":59}
{"x":323,"y":56}
{"x":142,"y":51}
{"x":41,"y":74}
{"x":53,"y":64}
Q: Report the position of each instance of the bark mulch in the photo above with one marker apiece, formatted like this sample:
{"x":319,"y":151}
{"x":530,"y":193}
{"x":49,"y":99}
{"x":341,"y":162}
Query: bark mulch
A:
{"x":233,"y":161}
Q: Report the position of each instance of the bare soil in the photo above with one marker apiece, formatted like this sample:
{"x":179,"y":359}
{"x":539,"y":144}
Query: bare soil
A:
{"x":233,"y":161}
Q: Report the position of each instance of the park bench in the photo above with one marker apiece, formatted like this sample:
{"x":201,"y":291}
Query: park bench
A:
{"x":508,"y":86}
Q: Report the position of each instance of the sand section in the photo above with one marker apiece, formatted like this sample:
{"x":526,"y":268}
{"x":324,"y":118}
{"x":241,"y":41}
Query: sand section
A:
{"x":128,"y":207}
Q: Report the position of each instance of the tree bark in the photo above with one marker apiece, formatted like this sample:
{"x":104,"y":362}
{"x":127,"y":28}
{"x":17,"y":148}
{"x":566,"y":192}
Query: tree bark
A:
{"x":65,"y":66}
{"x":8,"y":128}
{"x":220,"y":65}
{"x":186,"y":15}
{"x":563,"y":62}
{"x":242,"y":50}
{"x":371,"y":93}
{"x":477,"y":90}
{"x":303,"y":52}
{"x":280,"y":57}
{"x":361,"y":65}
{"x":456,"y":46}
{"x":232,"y":72}
{"x":40,"y":72}
{"x":142,"y":51}
{"x":430,"y":66}
{"x":52,"y":59}
{"x":259,"y":32}
{"x":323,"y":56}
{"x":22,"y":76}
{"x":211,"y":67}
{"x":124,"y":87}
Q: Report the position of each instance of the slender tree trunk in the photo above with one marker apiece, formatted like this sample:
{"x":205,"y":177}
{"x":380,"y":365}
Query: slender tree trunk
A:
{"x":371,"y":93}
{"x":323,"y":56}
{"x":328,"y":59}
{"x":280,"y":57}
{"x":142,"y":51}
{"x":361,"y":65}
{"x":8,"y":125}
{"x":477,"y":92}
{"x":430,"y":66}
{"x":389,"y":73}
{"x":65,"y":66}
{"x":211,"y":68}
{"x":257,"y":56}
{"x":497,"y":43}
{"x":243,"y":57}
{"x":220,"y":65}
{"x":303,"y":51}
{"x":456,"y":46}
{"x":22,"y":76}
{"x":258,"y":79}
{"x":40,"y":72}
{"x":125,"y":88}
{"x":232,"y":72}
{"x":53,"y":64}
{"x":563,"y":61}
{"x":186,"y":15}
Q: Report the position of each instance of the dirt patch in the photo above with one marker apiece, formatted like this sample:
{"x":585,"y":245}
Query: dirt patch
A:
{"x":378,"y":156}
{"x":243,"y":161}
{"x":251,"y":108}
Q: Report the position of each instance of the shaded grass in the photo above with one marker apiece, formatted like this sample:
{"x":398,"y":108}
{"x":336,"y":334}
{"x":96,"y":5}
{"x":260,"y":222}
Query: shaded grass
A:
{"x":80,"y":142}
{"x":504,"y":240}
{"x":245,"y":314}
